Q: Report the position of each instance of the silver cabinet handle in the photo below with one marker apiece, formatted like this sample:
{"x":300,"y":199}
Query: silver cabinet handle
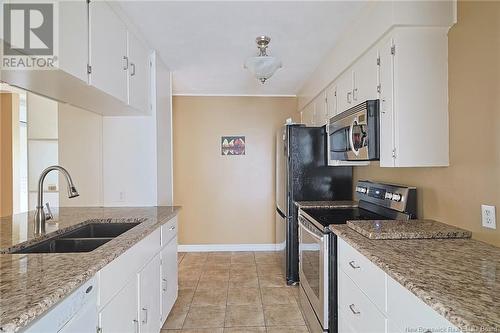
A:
{"x":355,"y":94}
{"x":133,"y":69}
{"x":171,"y":228}
{"x":125,"y":63}
{"x":164,"y":284}
{"x":145,"y":311}
{"x":353,"y":310}
{"x":353,"y":265}
{"x":136,"y":326}
{"x":349,"y":100}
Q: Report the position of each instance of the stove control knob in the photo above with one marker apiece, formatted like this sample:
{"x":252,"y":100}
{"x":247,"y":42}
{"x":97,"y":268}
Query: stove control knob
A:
{"x":388,"y":195}
{"x":396,"y":197}
{"x":360,"y":189}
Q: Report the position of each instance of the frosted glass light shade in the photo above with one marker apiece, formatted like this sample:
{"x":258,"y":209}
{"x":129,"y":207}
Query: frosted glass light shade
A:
{"x":262,"y":67}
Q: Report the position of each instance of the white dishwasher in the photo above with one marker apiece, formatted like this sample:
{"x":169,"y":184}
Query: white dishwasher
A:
{"x":77,"y":313}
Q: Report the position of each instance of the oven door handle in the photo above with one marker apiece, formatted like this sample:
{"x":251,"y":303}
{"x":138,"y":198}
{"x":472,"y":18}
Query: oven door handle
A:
{"x":320,"y":238}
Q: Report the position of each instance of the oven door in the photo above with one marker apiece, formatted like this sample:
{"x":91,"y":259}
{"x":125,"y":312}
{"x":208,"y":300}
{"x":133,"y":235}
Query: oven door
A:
{"x":313,"y":268}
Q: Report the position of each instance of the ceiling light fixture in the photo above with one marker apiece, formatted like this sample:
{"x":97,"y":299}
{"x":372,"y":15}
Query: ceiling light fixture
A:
{"x":262,"y":66}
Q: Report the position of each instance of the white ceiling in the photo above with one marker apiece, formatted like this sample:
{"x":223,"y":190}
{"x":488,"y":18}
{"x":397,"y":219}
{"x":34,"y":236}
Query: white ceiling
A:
{"x":206,"y":43}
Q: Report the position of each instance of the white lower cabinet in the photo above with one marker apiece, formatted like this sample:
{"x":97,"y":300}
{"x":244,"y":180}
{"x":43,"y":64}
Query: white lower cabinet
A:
{"x":169,"y":277}
{"x":120,"y":314}
{"x":149,"y":297}
{"x":382,"y":305}
{"x":359,"y":313}
{"x":144,"y":302}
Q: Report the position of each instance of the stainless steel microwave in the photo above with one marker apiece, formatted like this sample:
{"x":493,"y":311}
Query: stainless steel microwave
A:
{"x":354,"y":135}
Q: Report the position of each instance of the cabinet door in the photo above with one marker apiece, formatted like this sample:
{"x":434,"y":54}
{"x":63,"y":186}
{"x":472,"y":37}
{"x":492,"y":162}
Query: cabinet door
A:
{"x":120,"y":314}
{"x":308,"y":115}
{"x":344,"y":91}
{"x":139,"y":75}
{"x":169,"y":282}
{"x":331,"y":101}
{"x":73,"y":38}
{"x":365,"y":77}
{"x":320,"y":110}
{"x":149,"y":297}
{"x":387,"y":144}
{"x":108,"y":40}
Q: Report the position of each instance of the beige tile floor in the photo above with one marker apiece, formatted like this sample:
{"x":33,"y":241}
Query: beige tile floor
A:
{"x":234,"y":292}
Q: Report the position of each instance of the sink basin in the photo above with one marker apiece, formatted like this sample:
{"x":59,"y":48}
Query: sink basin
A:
{"x":83,"y":239}
{"x":65,"y":245}
{"x":99,"y":230}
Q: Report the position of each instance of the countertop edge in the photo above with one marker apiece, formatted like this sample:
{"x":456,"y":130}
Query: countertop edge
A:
{"x":452,"y":233}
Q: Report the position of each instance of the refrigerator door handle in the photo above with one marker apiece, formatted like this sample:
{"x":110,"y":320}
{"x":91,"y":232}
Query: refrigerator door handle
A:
{"x":281,"y":213}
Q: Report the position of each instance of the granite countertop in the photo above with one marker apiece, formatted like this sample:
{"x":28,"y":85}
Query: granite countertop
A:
{"x":326,"y":204}
{"x":458,"y":278}
{"x":411,"y":229}
{"x":30,"y":284}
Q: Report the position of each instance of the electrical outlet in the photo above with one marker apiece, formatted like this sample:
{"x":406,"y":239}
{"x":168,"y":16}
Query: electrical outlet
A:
{"x":121,"y":196}
{"x":488,"y":216}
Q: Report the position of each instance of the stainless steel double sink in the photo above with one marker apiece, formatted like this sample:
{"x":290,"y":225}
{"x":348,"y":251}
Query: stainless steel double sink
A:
{"x":82,"y":239}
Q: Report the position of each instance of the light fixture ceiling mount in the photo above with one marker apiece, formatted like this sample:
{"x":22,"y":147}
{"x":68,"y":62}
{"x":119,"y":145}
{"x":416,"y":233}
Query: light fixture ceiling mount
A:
{"x":263,"y":66}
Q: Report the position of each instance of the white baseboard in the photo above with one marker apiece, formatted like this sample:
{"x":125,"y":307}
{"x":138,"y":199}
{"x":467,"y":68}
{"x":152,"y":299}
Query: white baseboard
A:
{"x":227,"y":247}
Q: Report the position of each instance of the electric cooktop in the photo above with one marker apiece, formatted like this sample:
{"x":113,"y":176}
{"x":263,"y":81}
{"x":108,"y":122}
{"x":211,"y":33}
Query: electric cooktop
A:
{"x":327,"y":216}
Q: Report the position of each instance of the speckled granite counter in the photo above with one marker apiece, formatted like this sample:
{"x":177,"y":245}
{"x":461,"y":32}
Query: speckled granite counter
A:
{"x":326,"y":204}
{"x":30,"y":284}
{"x":459,"y":278}
{"x":412,"y":229}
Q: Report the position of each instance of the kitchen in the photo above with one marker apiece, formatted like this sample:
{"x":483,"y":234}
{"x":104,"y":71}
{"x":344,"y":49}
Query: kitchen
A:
{"x":174,"y":154}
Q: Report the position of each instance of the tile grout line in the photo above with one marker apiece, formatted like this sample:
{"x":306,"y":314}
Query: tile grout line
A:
{"x":260,"y":292}
{"x":195,"y":289}
{"x":227,"y":295}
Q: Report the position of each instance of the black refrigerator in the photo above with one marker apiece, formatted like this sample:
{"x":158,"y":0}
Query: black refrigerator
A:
{"x":302,"y":174}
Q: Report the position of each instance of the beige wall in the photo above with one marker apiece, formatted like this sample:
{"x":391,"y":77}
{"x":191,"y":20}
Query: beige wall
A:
{"x":454,"y":194}
{"x":226,"y":200}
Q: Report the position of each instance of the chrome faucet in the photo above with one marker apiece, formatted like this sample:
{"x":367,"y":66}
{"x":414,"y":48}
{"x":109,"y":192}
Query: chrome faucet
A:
{"x":40,"y":216}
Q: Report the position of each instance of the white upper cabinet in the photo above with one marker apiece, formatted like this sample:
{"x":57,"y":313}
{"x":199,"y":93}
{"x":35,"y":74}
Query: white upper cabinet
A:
{"x":365,"y":77}
{"x":414,"y":97}
{"x":73,"y":38}
{"x":320,"y":110}
{"x":407,"y":71}
{"x":108,"y":51}
{"x":138,"y":74}
{"x":331,"y":101}
{"x":307,"y":115}
{"x":345,"y":86}
{"x":385,"y":48}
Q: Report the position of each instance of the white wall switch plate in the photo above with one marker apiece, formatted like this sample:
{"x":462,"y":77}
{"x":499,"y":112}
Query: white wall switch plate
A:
{"x":488,"y":216}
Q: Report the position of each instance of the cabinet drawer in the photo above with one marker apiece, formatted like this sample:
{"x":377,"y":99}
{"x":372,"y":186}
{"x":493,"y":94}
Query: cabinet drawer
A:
{"x":407,"y":312}
{"x":369,"y":278}
{"x":117,"y":273}
{"x":356,"y":312}
{"x":168,"y":231}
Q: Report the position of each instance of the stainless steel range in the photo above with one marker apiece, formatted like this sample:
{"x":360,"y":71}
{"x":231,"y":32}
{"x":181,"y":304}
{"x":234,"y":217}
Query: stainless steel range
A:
{"x":318,"y":246}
